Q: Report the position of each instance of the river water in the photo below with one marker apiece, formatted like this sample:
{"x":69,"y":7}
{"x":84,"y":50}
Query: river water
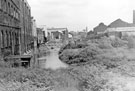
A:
{"x":51,"y":60}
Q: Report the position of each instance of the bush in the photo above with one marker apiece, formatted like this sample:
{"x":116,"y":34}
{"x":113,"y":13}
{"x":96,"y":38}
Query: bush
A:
{"x":79,"y":56}
{"x":90,"y":77}
{"x":117,"y":42}
{"x":73,"y":46}
{"x":131,"y":42}
{"x":104,"y":43}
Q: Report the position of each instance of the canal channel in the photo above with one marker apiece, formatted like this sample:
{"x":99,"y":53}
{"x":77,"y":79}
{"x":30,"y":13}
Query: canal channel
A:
{"x":51,"y":60}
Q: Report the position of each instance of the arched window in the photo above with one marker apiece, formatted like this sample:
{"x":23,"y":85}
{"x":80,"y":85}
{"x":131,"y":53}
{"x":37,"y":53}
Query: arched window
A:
{"x":15,"y":39}
{"x":11,"y":10}
{"x":2,"y":39}
{"x":10,"y":39}
{"x":5,"y":6}
{"x":8,"y":7}
{"x":14,"y":12}
{"x":7,"y":38}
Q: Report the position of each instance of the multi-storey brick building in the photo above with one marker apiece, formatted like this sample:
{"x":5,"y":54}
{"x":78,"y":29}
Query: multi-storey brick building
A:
{"x":26,"y":26}
{"x":15,"y":26}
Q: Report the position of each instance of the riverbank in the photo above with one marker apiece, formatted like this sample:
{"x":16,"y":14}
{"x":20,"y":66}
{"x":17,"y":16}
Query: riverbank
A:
{"x":98,"y":65}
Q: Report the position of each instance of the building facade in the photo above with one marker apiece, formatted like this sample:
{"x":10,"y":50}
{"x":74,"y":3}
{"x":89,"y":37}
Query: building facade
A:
{"x":9,"y":26}
{"x":15,"y":26}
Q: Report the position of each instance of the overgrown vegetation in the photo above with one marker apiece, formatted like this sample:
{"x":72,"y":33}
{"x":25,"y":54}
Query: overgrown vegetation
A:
{"x":94,"y":65}
{"x":95,"y":62}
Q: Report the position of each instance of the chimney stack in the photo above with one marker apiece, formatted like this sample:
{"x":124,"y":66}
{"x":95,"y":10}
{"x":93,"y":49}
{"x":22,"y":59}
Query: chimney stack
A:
{"x":133,"y":16}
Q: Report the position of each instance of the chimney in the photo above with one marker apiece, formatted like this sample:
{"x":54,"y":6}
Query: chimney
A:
{"x":133,"y":16}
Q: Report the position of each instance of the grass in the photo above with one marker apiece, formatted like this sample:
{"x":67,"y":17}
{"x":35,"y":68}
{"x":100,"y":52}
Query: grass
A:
{"x":109,"y":65}
{"x":103,"y":66}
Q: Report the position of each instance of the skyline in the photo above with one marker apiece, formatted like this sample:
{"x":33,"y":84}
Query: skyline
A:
{"x":77,"y":14}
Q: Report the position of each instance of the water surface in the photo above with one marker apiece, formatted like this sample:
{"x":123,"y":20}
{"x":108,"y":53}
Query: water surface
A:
{"x":51,"y":60}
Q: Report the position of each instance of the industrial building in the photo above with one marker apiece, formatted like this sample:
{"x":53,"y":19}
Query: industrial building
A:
{"x":15,"y":27}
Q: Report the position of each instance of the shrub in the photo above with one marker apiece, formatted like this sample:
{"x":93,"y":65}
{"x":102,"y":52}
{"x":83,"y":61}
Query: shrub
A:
{"x":79,"y":56}
{"x":73,"y":46}
{"x":131,"y":42}
{"x":90,"y":77}
{"x":117,"y":42}
{"x":104,"y":43}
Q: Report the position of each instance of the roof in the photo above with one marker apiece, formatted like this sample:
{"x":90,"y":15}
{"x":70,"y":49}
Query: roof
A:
{"x":120,"y":23}
{"x":100,"y":28}
{"x":56,"y":28}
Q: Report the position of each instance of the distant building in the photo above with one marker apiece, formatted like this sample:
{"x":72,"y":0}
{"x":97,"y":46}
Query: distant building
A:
{"x":44,"y":28}
{"x":40,"y":36}
{"x":90,"y":34}
{"x":57,"y":34}
{"x":100,"y":28}
{"x":119,"y":28}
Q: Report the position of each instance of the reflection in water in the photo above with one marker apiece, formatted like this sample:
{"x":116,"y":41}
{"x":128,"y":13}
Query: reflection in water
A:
{"x":51,"y":61}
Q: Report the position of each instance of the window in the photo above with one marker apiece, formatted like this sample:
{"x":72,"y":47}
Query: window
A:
{"x":4,"y":6}
{"x":7,"y":39}
{"x":0,"y":4}
{"x":2,"y":39}
{"x":13,"y":38}
{"x":29,"y":12}
{"x":9,"y":8}
{"x":10,"y":39}
{"x":14,"y":12}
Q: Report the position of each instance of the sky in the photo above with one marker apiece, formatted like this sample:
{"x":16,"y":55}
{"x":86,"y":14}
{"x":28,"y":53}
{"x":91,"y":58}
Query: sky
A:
{"x":76,"y":15}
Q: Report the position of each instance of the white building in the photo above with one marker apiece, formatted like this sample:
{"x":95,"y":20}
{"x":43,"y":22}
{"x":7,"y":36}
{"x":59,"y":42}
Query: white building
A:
{"x":120,"y":28}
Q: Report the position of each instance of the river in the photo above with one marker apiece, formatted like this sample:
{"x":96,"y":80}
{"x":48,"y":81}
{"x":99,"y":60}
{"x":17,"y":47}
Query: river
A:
{"x":51,"y":60}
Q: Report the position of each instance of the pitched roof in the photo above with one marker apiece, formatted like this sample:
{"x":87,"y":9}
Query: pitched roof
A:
{"x":100,"y":28}
{"x":120,"y":23}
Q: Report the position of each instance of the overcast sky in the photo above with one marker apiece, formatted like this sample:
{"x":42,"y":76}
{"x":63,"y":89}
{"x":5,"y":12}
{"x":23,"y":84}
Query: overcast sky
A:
{"x":77,"y":14}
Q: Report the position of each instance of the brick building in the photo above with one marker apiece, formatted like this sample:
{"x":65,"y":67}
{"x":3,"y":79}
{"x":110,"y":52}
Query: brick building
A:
{"x":26,"y":26}
{"x":15,"y":26}
{"x":100,"y":28}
